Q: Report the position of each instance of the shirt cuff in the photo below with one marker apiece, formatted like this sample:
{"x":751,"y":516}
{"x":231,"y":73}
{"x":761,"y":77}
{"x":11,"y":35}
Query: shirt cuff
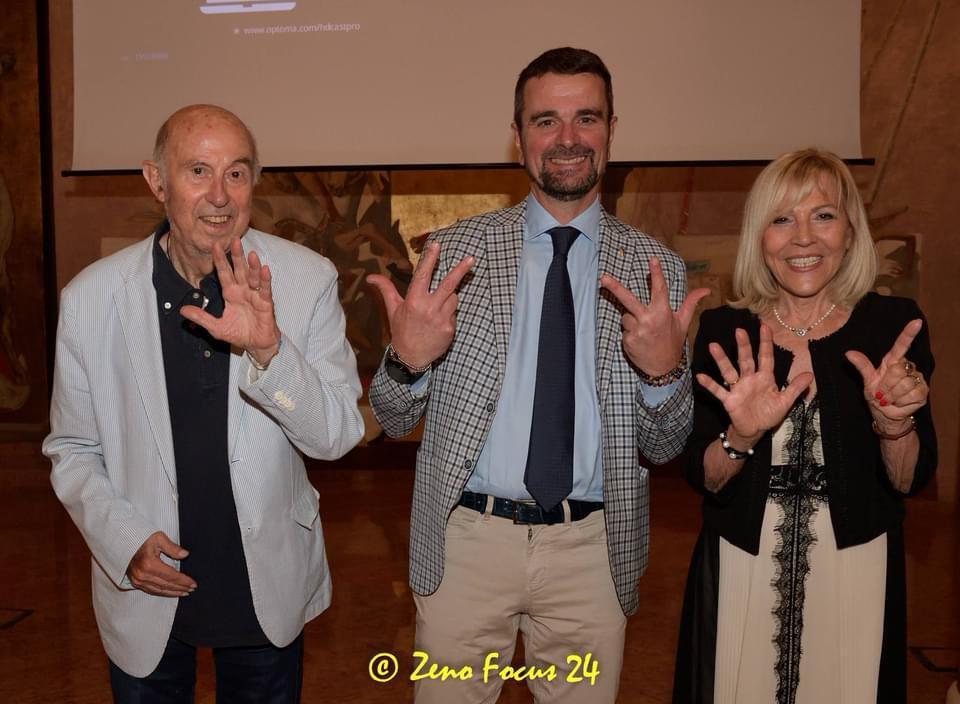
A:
{"x":253,"y":374}
{"x":653,"y":396}
{"x":419,"y":388}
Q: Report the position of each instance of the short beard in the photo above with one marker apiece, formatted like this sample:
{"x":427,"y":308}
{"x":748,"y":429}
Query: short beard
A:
{"x":559,"y":188}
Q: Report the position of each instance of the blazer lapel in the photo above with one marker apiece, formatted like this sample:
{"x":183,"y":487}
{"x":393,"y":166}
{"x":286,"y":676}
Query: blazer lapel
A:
{"x":137,"y":309}
{"x":504,"y":242}
{"x":616,"y":257}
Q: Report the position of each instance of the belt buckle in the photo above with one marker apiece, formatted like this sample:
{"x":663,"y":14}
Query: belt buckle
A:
{"x":516,"y":511}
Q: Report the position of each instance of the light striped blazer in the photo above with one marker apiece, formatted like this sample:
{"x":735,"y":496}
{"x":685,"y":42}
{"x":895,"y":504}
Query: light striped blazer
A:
{"x":112,"y":448}
{"x":465,"y":384}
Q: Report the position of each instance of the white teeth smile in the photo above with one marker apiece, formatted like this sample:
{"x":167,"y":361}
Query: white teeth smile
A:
{"x":803,"y":261}
{"x":568,"y":162}
{"x":215,"y":219}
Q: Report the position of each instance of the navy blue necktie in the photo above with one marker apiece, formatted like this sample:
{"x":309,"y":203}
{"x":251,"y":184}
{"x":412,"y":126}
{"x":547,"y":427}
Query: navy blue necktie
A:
{"x":549,"y":472}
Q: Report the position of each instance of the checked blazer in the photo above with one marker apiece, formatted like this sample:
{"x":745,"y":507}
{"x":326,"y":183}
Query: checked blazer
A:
{"x":465,"y":383}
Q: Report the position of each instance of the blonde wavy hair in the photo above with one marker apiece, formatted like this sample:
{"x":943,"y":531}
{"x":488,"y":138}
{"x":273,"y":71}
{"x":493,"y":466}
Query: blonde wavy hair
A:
{"x":783,"y":184}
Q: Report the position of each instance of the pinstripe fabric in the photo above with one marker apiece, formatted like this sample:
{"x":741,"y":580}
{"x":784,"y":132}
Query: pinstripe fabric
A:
{"x":112,"y":449}
{"x":465,"y":383}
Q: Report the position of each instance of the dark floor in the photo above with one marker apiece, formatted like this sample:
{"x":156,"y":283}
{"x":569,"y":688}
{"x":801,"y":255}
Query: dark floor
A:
{"x":53,"y":654}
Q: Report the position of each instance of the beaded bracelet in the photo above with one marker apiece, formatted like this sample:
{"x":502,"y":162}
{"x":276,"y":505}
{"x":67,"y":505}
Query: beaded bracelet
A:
{"x":732,"y":452}
{"x":668,"y":378}
{"x":392,"y":354}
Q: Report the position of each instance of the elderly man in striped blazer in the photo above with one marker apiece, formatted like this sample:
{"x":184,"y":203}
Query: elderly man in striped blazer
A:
{"x":188,"y":385}
{"x":545,"y":344}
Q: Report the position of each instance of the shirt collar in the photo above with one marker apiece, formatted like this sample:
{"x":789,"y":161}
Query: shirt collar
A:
{"x":539,"y":220}
{"x":173,"y":289}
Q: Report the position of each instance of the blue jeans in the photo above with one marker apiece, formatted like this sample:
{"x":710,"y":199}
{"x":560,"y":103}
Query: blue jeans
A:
{"x":256,"y":675}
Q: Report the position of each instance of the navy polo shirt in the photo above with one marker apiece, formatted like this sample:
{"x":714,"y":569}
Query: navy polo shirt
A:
{"x":219,"y":613}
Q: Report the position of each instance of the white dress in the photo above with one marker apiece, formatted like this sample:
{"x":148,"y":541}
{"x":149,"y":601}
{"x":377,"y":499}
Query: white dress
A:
{"x":801,"y":622}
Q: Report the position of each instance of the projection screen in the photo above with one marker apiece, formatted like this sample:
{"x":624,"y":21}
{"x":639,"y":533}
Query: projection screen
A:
{"x":425,"y":82}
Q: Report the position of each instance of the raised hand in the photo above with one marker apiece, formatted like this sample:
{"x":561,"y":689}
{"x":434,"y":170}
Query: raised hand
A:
{"x":423,"y":323}
{"x":895,"y":390}
{"x":751,"y":398}
{"x":653,"y":335}
{"x":248,"y":319}
{"x":148,"y":573}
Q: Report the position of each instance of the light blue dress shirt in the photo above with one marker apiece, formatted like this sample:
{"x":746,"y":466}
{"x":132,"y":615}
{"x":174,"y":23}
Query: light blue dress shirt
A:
{"x":500,"y":467}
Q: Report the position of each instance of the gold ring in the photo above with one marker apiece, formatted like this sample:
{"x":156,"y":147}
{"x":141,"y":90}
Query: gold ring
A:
{"x":730,"y":384}
{"x":917,"y":379}
{"x":909,"y":367}
{"x":257,"y":289}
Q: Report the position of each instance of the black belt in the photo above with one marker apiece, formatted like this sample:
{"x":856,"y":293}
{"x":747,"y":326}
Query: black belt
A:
{"x":529,"y":512}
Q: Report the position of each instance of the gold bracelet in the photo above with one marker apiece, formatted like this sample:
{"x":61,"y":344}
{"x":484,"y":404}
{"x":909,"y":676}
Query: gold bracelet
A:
{"x":884,"y":436}
{"x":262,"y":367}
{"x":256,"y":365}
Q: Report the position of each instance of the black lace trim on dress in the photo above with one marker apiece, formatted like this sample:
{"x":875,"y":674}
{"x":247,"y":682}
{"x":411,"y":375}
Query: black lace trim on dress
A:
{"x":798,"y":487}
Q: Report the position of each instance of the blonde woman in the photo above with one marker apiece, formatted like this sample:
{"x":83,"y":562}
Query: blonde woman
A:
{"x":811,"y":425}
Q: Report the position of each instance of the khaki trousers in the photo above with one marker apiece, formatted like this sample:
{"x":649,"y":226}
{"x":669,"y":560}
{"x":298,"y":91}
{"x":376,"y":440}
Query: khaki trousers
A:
{"x":552,"y":583}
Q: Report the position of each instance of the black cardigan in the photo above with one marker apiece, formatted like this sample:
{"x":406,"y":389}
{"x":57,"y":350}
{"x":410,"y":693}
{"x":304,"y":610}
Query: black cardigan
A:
{"x":863,"y":503}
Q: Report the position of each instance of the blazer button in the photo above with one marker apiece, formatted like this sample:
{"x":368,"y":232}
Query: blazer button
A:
{"x":468,"y":464}
{"x":490,"y":408}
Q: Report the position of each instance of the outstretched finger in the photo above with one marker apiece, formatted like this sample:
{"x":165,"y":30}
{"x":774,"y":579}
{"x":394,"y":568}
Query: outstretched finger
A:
{"x":391,"y":297}
{"x":624,"y":295}
{"x":862,"y":364}
{"x":251,"y":270}
{"x":224,"y":270}
{"x":689,"y":307}
{"x":797,"y":386}
{"x":713,"y":387}
{"x":658,"y":284}
{"x":238,"y":261}
{"x":729,"y":375}
{"x":420,"y":283}
{"x":448,"y":286}
{"x":448,"y":310}
{"x":264,"y":287}
{"x":765,"y":353}
{"x":902,"y":344}
{"x":744,"y":352}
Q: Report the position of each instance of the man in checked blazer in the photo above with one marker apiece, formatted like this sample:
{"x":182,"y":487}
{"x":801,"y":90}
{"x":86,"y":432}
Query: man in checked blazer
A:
{"x":188,"y":385}
{"x":487,"y":557}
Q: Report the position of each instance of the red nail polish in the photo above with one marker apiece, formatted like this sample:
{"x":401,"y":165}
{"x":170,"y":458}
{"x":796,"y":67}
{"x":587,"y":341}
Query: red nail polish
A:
{"x":884,"y":402}
{"x":878,"y":395}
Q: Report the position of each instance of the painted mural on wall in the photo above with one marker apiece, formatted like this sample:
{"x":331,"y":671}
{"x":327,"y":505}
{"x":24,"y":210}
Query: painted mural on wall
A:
{"x":369,"y":222}
{"x":346,"y":217}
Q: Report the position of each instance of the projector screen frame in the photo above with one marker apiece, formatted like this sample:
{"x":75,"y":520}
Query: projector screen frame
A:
{"x":859,"y":161}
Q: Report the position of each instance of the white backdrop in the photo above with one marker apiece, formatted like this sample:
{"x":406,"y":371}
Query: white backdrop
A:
{"x":380,"y":83}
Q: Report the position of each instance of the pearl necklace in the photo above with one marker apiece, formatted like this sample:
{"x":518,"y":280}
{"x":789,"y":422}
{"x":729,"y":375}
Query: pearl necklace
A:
{"x":802,"y":332}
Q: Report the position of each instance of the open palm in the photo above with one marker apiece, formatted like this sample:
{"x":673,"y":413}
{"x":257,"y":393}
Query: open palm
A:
{"x":751,"y":398}
{"x":248,"y":320}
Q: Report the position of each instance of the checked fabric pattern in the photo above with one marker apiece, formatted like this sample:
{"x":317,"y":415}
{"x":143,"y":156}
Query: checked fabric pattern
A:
{"x":464,"y":386}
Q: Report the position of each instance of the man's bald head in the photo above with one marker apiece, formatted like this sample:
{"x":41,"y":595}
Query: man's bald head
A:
{"x":200,"y":115}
